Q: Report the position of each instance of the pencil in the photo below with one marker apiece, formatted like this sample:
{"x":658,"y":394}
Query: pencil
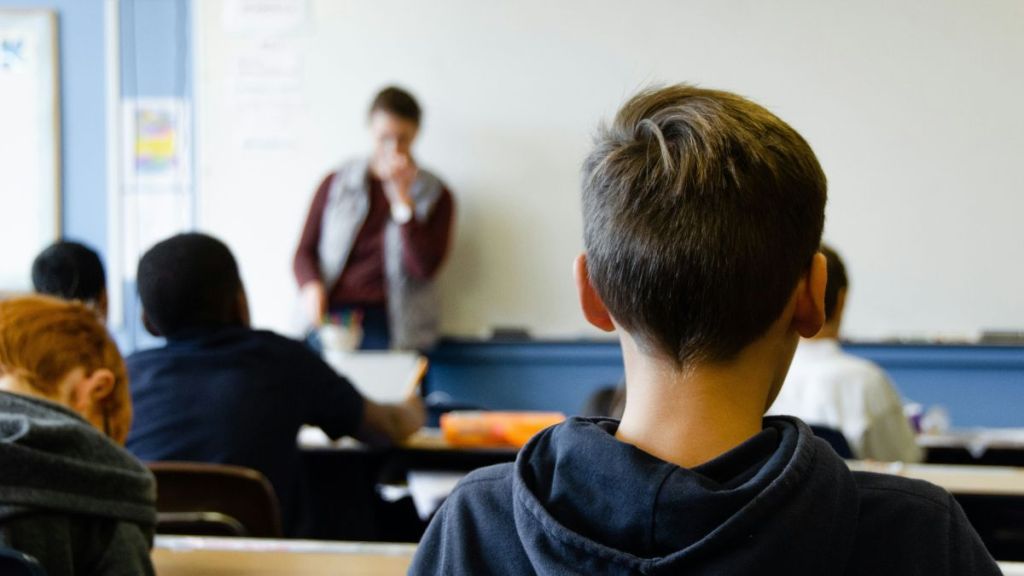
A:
{"x":417,"y":379}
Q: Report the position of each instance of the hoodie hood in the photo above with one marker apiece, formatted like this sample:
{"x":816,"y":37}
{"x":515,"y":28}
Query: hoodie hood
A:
{"x":780,"y":502}
{"x":53,"y":459}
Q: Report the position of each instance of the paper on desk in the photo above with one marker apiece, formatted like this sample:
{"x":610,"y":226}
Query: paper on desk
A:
{"x":429,"y":489}
{"x":382,"y":376}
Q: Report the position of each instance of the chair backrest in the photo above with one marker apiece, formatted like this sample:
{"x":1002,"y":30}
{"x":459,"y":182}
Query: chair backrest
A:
{"x":835,"y":438}
{"x":214,"y":500}
{"x":14,"y":563}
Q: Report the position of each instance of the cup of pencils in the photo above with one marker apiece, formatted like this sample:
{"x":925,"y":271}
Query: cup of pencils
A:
{"x":342,"y":332}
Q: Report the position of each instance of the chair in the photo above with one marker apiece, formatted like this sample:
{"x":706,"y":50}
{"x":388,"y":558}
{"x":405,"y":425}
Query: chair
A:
{"x":14,"y":563}
{"x":214,"y":500}
{"x":835,"y":439}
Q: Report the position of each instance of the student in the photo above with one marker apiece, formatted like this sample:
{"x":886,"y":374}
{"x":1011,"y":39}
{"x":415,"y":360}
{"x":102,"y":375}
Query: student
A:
{"x":702,"y":218}
{"x":219,"y":391}
{"x":70,"y":495}
{"x":72,"y":271}
{"x":828,"y":387}
{"x":377,"y":233}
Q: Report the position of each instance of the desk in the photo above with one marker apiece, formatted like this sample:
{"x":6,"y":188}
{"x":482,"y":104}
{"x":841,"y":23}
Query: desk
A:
{"x":174,"y":555}
{"x":1012,"y":568}
{"x":992,"y":498}
{"x":959,"y":480}
{"x":980,"y":446}
{"x":343,"y":479}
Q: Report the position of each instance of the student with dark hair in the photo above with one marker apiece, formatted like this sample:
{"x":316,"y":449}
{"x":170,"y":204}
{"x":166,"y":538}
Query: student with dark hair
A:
{"x":221,"y":392}
{"x":71,"y":271}
{"x":702,"y":214}
{"x":70,"y":495}
{"x":826,"y":386}
{"x":376,"y":234}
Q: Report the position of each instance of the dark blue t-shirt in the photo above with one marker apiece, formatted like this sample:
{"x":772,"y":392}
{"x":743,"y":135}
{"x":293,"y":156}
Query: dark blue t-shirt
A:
{"x":238,"y":396}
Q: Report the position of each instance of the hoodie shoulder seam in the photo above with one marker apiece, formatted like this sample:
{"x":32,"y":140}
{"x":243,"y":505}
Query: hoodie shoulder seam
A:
{"x":917,"y":495}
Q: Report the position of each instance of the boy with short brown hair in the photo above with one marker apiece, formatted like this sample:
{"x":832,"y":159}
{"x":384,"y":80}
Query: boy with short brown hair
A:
{"x":703,"y":215}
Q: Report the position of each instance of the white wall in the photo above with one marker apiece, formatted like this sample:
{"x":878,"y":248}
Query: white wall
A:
{"x":914,"y":109}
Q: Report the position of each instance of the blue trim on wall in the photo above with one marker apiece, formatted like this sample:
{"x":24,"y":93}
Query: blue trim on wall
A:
{"x":156,"y":62}
{"x":978,"y":385}
{"x":156,"y":53}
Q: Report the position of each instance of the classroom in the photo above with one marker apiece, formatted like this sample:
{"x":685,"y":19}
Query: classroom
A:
{"x":454,"y":287}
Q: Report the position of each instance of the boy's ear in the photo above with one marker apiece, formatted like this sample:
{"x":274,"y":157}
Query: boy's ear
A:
{"x":242,"y":303}
{"x":593,"y":307}
{"x":150,"y":327}
{"x":103,"y":305}
{"x":809,"y":316}
{"x":92,"y":390}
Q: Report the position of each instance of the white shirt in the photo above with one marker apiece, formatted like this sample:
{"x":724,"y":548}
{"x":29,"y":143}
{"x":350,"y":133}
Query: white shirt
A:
{"x":828,"y":387}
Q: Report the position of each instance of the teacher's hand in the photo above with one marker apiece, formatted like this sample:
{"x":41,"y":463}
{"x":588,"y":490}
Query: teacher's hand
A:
{"x":315,"y":298}
{"x":399,"y":173}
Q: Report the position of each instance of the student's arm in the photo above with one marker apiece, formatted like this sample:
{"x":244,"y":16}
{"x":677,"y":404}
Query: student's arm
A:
{"x":391,"y":423}
{"x":333,"y":404}
{"x":425,"y":243}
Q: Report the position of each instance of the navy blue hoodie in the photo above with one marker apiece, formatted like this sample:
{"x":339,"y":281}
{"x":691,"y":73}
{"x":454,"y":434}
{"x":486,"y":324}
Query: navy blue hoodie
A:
{"x":578,"y":501}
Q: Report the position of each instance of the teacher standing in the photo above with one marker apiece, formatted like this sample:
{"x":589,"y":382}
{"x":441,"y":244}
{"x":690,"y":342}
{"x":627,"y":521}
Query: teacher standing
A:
{"x":376,"y":234}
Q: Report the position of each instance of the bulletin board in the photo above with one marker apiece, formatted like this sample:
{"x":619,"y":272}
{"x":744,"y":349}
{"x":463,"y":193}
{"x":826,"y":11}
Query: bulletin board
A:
{"x":30,"y":162}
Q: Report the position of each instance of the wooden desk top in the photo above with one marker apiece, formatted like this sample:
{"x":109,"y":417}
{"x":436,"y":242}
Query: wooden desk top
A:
{"x":193,"y":556}
{"x":984,"y":480}
{"x":975,"y":440}
{"x":427,"y":439}
{"x":1012,"y":568}
{"x":243,"y":556}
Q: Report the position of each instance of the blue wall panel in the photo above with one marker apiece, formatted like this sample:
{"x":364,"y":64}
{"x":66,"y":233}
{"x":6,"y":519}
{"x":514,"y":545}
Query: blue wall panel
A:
{"x":979,"y":386}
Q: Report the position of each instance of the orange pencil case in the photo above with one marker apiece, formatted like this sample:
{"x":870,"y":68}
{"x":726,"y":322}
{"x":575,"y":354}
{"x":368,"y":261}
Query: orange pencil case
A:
{"x":488,"y":429}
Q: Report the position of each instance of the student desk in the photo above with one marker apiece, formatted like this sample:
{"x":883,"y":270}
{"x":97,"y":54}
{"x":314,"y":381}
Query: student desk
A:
{"x":174,"y":556}
{"x":343,"y":481}
{"x":992,"y":497}
{"x":987,"y":447}
{"x":1012,"y":568}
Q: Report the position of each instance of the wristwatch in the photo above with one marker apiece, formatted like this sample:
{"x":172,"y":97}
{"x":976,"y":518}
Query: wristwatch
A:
{"x":401,"y":212}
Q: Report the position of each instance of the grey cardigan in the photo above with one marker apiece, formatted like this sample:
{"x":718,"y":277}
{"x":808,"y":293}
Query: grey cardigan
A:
{"x":413,"y":308}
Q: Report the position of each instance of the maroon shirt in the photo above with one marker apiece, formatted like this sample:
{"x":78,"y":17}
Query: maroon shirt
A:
{"x":362,"y":281}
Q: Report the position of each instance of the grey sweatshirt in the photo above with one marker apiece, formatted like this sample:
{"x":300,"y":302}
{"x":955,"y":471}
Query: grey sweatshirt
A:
{"x":69,"y":496}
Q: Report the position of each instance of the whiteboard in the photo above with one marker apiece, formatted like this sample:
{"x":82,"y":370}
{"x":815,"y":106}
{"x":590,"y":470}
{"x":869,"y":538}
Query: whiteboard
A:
{"x":29,"y":142}
{"x":913,"y":108}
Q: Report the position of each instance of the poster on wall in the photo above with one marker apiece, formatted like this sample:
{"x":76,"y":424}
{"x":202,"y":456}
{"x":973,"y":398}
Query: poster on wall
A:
{"x":156,"y":199}
{"x":29,"y":141}
{"x":156,"y":141}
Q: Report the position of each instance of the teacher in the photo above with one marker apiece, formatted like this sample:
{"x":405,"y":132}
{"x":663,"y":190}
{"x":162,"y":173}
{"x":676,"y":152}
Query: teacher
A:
{"x":376,"y":234}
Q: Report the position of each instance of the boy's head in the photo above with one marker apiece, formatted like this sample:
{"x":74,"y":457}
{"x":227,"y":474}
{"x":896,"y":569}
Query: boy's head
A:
{"x":190,"y":281}
{"x":835,"y":292}
{"x":71,"y":271}
{"x":60,"y":351}
{"x":702,"y":211}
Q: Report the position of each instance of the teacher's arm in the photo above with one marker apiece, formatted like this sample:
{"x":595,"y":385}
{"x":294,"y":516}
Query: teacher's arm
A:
{"x":425,"y":243}
{"x":306,"y":263}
